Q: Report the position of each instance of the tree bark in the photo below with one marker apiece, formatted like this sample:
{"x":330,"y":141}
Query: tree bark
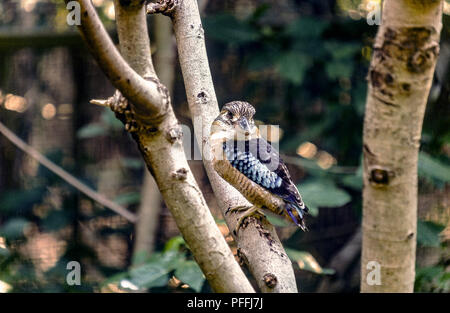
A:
{"x":258,"y":244}
{"x":150,"y":206}
{"x":158,"y":135}
{"x":400,"y":77}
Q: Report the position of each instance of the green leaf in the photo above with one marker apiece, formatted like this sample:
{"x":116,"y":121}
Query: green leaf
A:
{"x":428,"y":233}
{"x":14,"y":228}
{"x":429,"y":273}
{"x":277,"y":220}
{"x":292,"y":66}
{"x":307,"y":262}
{"x":149,"y":275}
{"x":168,"y":259}
{"x":432,"y":279}
{"x":313,"y":209}
{"x":338,"y":69}
{"x":174,"y":244}
{"x":128,"y":198}
{"x":155,"y":272}
{"x":354,"y":181}
{"x":433,"y":168}
{"x":92,"y":130}
{"x":323,"y":193}
{"x":109,"y":119}
{"x":189,"y":272}
{"x":140,"y":257}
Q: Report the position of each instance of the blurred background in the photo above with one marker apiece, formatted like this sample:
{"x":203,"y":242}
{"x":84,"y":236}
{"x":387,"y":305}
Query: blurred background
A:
{"x":301,"y":63}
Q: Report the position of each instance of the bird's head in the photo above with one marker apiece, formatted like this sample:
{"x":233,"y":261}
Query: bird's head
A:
{"x":235,"y":121}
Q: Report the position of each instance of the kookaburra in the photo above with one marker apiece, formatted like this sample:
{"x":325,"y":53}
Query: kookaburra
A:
{"x":251,"y":165}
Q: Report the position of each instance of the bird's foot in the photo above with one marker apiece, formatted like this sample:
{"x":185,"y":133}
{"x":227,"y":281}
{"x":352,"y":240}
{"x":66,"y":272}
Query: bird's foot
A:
{"x":248,"y":212}
{"x":239,"y":208}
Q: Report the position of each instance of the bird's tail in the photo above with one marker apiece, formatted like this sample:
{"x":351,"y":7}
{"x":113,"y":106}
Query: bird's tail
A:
{"x":297,"y":213}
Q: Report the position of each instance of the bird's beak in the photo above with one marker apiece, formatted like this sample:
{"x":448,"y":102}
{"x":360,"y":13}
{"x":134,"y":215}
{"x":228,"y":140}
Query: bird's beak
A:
{"x":244,"y":124}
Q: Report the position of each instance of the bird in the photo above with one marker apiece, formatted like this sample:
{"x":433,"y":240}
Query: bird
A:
{"x":243,"y":158}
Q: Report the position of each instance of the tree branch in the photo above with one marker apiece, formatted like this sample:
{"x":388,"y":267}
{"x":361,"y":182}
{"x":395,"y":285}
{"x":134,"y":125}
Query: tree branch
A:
{"x":258,"y":244}
{"x":159,"y":141}
{"x":150,"y":206}
{"x":145,"y":95}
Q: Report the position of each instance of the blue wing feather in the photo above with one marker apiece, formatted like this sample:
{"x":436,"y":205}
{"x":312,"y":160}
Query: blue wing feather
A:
{"x":259,"y":162}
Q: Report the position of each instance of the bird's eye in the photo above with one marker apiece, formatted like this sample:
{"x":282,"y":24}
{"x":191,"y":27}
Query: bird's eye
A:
{"x":229,"y":115}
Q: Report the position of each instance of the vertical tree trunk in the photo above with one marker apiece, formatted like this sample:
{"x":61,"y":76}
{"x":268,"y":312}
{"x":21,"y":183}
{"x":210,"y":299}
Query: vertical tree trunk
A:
{"x":400,"y":77}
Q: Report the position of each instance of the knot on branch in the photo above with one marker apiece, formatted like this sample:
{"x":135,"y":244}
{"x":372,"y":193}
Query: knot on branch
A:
{"x":174,"y":134}
{"x":270,"y":280}
{"x":162,"y":89}
{"x":122,"y":109}
{"x":202,"y":97}
{"x":242,"y":258}
{"x":423,"y":59}
{"x":380,"y":176}
{"x":165,"y":7}
{"x":180,"y":174}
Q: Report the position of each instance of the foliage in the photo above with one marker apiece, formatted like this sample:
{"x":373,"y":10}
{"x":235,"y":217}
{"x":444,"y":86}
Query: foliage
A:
{"x":428,"y":233}
{"x":285,"y":51}
{"x":323,"y":193}
{"x":432,"y":279}
{"x":108,"y":125}
{"x":157,"y":269}
{"x":432,"y":168}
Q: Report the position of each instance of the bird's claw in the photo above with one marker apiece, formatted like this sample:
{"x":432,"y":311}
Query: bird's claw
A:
{"x":249,"y":211}
{"x":238,"y":208}
{"x":165,"y":7}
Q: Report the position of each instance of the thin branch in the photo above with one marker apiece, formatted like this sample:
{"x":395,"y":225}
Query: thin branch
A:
{"x":65,"y":175}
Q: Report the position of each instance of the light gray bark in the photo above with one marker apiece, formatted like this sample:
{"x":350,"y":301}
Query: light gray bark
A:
{"x":150,"y":206}
{"x":400,"y":77}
